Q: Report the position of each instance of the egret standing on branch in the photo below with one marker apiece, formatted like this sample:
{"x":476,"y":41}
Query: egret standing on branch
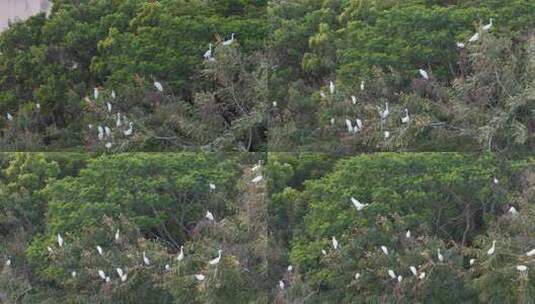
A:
{"x":230,"y":41}
{"x":492,"y":249}
{"x":384,"y":249}
{"x":423,"y":73}
{"x":216,"y":260}
{"x":180,"y":256}
{"x":158,"y":86}
{"x":60,"y":240}
{"x":209,"y":215}
{"x":487,"y":27}
{"x":335,"y":243}
{"x":405,"y":119}
{"x":146,"y":260}
{"x":358,"y":204}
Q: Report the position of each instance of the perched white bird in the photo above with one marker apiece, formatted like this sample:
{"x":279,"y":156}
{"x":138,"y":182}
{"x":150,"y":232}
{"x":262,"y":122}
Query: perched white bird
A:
{"x":200,"y":277}
{"x":158,"y":86}
{"x":100,"y":251}
{"x":423,"y":73}
{"x":362,"y":85}
{"x":108,"y":105}
{"x":323,"y":252}
{"x":472,"y":261}
{"x":102,"y":274}
{"x":384,"y":113}
{"x":387,"y":134}
{"x":439,"y":255}
{"x":358,"y":127}
{"x":492,"y":249}
{"x":332,"y":121}
{"x":357,"y":276}
{"x":358,"y":204}
{"x":488,"y":26}
{"x":413,"y":270}
{"x":256,"y":167}
{"x":73,"y":274}
{"x":167,"y":267}
{"x":60,"y":240}
{"x":408,"y":234}
{"x":208,"y":54}
{"x":108,"y":279}
{"x":322,"y":95}
{"x":113,"y":95}
{"x":230,"y":41}
{"x":281,"y":284}
{"x":9,"y":117}
{"x":107,"y":131}
{"x":118,"y":122}
{"x":331,"y":87}
{"x":531,"y":252}
{"x":120,"y":272}
{"x":400,"y":278}
{"x":274,"y":104}
{"x":290,"y":268}
{"x":349,"y":126}
{"x":212,"y":186}
{"x":100,"y":133}
{"x":216,"y":260}
{"x":513,"y":210}
{"x":474,"y":38}
{"x":95,"y":93}
{"x":8,"y":262}
{"x":209,"y":215}
{"x":108,"y":145}
{"x":392,"y":274}
{"x":405,"y":119}
{"x":335,"y":243}
{"x":354,"y":99}
{"x":421,"y":276}
{"x":146,"y":260}
{"x":130,"y":129}
{"x":180,"y":256}
{"x":117,"y":235}
{"x":257,"y":179}
{"x":384,"y":249}
{"x":522,"y":268}
{"x":38,"y":106}
{"x":460,"y":45}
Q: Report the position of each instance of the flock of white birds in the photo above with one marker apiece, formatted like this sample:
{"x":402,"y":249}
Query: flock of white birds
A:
{"x":122,"y":274}
{"x":413,"y":270}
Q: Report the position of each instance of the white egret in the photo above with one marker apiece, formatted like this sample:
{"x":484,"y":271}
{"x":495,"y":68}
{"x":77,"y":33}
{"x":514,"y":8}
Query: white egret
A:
{"x":146,"y":260}
{"x":216,"y":260}
{"x":180,"y":256}
{"x":290,"y":268}
{"x":8,"y":262}
{"x":113,"y":95}
{"x":439,"y":255}
{"x":408,"y":234}
{"x":60,"y":240}
{"x":474,"y":38}
{"x":108,"y":279}
{"x":100,"y":133}
{"x":257,"y":179}
{"x":108,"y":145}
{"x":423,"y":73}
{"x":230,"y":41}
{"x":73,"y":274}
{"x":130,"y":129}
{"x":208,"y":54}
{"x":38,"y":106}
{"x":9,"y":117}
{"x":281,"y":284}
{"x":331,"y":87}
{"x":460,"y":45}
{"x":100,"y":250}
{"x":108,"y":105}
{"x":400,"y":278}
{"x":107,"y":131}
{"x":421,"y":276}
{"x":472,"y":261}
{"x":349,"y":126}
{"x":212,"y":186}
{"x":120,"y":272}
{"x":117,"y":235}
{"x":531,"y":252}
{"x":90,"y":126}
{"x":209,"y":215}
{"x":323,"y":252}
{"x":522,"y":268}
{"x":488,"y":26}
{"x":413,"y":270}
{"x":384,"y":113}
{"x":102,"y":274}
{"x":392,"y":274}
{"x":362,"y":85}
{"x":167,"y":267}
{"x":95,"y":93}
{"x":274,"y":104}
{"x":332,"y":121}
{"x":387,"y":134}
{"x":358,"y":127}
{"x":492,"y":249}
{"x":354,"y":99}
{"x":335,"y":243}
{"x":200,"y":277}
{"x":513,"y":210}
{"x":158,"y":86}
{"x":256,"y":167}
{"x":322,"y":95}
{"x":384,"y":249}
{"x":118,"y":122}
{"x":405,"y":119}
{"x":358,"y":204}
{"x":357,"y":276}
{"x":496,"y":181}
